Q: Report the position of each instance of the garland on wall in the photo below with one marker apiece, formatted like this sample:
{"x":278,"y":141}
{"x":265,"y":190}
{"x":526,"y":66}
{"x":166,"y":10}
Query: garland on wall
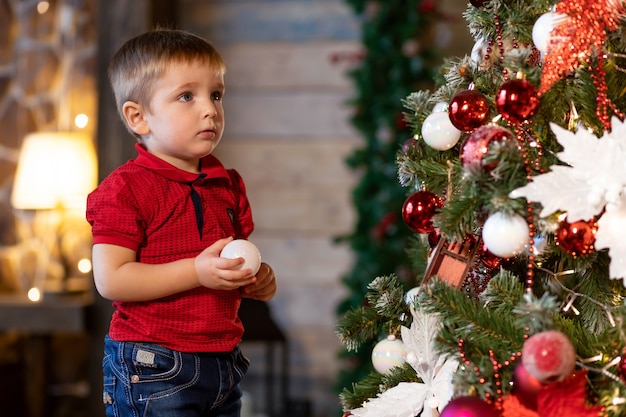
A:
{"x":399,"y":57}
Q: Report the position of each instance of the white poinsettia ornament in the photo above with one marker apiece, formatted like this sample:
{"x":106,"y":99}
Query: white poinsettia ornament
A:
{"x":427,"y":398}
{"x":592,"y":181}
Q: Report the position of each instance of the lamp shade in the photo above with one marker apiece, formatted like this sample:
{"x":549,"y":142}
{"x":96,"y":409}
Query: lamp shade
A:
{"x":54,"y":169}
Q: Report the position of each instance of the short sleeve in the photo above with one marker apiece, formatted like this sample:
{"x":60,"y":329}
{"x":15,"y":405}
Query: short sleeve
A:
{"x":114,"y":214}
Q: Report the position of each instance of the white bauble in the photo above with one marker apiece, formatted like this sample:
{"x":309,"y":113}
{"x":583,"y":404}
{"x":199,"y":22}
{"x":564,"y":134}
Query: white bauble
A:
{"x":505,"y":235}
{"x":542,"y":30}
{"x":478,"y":51}
{"x":241,"y":248}
{"x":440,"y":106}
{"x":410,"y":295}
{"x":439,"y":132}
{"x":387,"y":354}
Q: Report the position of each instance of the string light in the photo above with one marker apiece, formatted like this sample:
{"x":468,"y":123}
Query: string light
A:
{"x":573,"y":294}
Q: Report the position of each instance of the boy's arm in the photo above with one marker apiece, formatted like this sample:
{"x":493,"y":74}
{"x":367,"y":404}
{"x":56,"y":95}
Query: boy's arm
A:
{"x":119,"y":277}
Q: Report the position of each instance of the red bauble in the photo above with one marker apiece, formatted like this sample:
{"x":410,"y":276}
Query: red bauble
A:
{"x":526,"y":387}
{"x":468,"y":110}
{"x":578,"y":238}
{"x":468,"y":407}
{"x":418,"y":211}
{"x":488,"y":259}
{"x":549,"y":356}
{"x":517,"y":100}
{"x":621,"y":366}
{"x":433,"y":238}
{"x":477,"y":144}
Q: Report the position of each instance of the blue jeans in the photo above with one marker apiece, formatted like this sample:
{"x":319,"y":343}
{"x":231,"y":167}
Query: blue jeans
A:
{"x":149,"y":380}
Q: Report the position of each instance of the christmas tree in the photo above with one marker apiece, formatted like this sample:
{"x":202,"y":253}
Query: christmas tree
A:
{"x":516,"y":192}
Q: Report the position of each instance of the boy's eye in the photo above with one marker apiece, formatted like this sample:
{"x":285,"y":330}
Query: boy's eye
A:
{"x":185,"y":97}
{"x":217,"y":96}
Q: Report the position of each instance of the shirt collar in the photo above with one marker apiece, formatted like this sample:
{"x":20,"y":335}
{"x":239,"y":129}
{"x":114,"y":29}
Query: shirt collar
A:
{"x":210,"y":166}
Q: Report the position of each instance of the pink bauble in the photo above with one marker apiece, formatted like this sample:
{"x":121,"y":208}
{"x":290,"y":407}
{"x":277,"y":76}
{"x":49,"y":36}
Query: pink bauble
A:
{"x":517,"y":100}
{"x":468,"y":407}
{"x":549,"y":356}
{"x":477,"y":145}
{"x":408,"y":145}
{"x":526,"y":387}
{"x":468,"y":110}
{"x":418,"y":211}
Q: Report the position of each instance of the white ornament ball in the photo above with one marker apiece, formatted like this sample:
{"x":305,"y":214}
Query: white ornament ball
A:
{"x":439,"y":132}
{"x":387,"y":354}
{"x":241,"y":248}
{"x":505,"y":235}
{"x":542,"y":30}
{"x":440,"y":106}
{"x":410,"y":295}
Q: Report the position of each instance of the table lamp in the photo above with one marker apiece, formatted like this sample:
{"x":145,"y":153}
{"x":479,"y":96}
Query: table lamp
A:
{"x":55,"y":172}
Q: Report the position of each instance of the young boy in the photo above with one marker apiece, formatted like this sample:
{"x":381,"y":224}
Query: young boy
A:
{"x":159,"y":224}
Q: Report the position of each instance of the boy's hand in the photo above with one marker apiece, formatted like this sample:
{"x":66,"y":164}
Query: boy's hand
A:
{"x":265,"y":286}
{"x":221,"y":273}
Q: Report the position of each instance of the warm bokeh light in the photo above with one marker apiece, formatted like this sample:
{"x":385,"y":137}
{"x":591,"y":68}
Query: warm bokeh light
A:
{"x":81,"y":120}
{"x":34,"y":294}
{"x":54,"y":169}
{"x":42,"y":7}
{"x":84,"y":265}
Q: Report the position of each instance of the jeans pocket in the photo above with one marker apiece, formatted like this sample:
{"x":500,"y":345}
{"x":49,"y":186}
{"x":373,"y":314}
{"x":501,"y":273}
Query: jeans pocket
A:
{"x":154,"y":363}
{"x":108,"y":389}
{"x":241,"y":363}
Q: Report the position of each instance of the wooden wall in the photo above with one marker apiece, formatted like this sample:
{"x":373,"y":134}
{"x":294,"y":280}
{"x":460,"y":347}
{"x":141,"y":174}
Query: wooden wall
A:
{"x":288,"y":132}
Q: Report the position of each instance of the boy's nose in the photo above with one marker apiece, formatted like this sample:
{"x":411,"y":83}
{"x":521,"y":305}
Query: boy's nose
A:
{"x":211,"y":110}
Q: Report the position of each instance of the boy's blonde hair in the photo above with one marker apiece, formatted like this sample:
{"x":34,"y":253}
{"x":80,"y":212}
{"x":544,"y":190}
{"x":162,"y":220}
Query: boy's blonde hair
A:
{"x":139,"y":63}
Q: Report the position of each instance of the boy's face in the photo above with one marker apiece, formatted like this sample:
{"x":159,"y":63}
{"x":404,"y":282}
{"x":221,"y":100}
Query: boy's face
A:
{"x":185,"y":119}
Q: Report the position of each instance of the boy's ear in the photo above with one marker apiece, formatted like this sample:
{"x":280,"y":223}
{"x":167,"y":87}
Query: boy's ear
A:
{"x":134,"y":115}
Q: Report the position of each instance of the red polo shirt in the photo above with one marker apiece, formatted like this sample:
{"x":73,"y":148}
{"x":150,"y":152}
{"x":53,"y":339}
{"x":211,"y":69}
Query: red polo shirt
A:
{"x":165,"y":214}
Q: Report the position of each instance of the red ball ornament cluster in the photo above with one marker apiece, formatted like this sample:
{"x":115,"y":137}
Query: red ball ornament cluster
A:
{"x":419,"y":209}
{"x":577,"y":238}
{"x":517,"y":100}
{"x":468,"y":110}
